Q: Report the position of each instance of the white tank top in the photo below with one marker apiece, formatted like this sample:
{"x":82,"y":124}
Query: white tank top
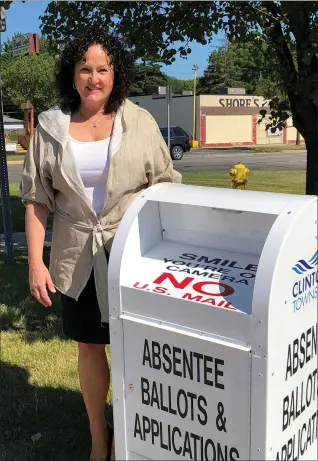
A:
{"x":92,"y":161}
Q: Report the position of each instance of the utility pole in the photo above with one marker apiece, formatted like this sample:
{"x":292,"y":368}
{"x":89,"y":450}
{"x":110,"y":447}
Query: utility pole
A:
{"x":168,"y":97}
{"x":4,"y":181}
{"x":194,"y":68}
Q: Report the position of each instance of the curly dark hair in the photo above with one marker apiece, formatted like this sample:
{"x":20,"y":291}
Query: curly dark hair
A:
{"x":121,"y":59}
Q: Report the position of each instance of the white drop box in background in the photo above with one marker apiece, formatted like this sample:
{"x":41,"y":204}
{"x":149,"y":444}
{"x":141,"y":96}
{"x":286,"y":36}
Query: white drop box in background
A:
{"x":213,"y":317}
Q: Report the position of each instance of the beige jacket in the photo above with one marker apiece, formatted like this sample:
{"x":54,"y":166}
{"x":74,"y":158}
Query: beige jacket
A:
{"x":139,"y":159}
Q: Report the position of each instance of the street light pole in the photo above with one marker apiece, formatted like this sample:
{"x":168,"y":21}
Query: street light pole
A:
{"x":194,"y":68}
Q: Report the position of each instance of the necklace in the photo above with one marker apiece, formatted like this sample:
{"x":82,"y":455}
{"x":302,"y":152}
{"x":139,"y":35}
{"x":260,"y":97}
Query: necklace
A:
{"x":96,"y":123}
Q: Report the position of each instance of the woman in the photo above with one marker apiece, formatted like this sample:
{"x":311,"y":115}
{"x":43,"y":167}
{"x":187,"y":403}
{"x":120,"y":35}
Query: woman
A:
{"x":89,"y":159}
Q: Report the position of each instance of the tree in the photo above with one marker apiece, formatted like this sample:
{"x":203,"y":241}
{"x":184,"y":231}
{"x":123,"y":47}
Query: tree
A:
{"x":151,"y":28}
{"x":223,"y":71}
{"x":147,"y":77}
{"x":178,"y":85}
{"x":31,"y":78}
{"x":6,"y":51}
{"x":18,"y":84}
{"x":241,"y":64}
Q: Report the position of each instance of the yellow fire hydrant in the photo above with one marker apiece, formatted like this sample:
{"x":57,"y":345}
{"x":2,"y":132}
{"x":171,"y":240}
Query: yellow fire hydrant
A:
{"x":239,"y":174}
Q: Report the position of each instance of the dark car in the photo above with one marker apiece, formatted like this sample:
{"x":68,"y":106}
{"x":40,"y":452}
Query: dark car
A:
{"x":179,"y":141}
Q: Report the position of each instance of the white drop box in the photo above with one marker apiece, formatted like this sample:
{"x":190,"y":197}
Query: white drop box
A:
{"x":213,"y":318}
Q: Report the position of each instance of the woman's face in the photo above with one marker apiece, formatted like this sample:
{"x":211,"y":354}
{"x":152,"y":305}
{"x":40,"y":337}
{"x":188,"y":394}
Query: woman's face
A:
{"x":94,"y":77}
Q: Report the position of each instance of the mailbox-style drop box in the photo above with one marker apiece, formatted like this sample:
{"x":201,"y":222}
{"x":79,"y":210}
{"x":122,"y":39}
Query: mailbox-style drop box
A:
{"x":213,"y":317}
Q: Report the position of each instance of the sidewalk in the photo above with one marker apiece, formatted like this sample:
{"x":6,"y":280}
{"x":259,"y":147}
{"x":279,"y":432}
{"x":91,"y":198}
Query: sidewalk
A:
{"x":19,"y":241}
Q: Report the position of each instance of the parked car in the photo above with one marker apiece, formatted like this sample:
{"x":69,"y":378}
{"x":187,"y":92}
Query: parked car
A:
{"x":179,"y":141}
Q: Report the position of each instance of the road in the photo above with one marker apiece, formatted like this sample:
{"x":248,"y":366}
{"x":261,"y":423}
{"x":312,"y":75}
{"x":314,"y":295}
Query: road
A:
{"x":216,"y":160}
{"x":220,"y":160}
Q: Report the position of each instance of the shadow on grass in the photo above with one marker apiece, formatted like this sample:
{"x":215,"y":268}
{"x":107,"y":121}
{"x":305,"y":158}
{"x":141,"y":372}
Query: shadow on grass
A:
{"x":58,"y":414}
{"x":18,"y":309}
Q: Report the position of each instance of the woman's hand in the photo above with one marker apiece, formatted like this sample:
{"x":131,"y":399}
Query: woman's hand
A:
{"x":40,"y":282}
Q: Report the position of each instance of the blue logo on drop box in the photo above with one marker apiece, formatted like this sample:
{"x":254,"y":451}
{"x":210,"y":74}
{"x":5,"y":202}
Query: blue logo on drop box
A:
{"x":303,"y":266}
{"x":305,"y":289}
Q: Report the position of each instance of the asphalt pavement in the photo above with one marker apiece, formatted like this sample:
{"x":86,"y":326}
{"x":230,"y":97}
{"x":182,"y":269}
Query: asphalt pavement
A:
{"x":200,"y":160}
{"x":222,"y":160}
{"x":14,"y":172}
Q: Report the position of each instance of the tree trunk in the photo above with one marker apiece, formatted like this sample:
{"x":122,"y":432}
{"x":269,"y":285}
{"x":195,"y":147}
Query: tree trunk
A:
{"x":305,"y":118}
{"x":297,"y":138}
{"x":311,"y":140}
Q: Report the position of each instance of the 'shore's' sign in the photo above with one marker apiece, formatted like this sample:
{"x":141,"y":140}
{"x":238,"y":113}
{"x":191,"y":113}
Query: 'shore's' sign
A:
{"x":240,"y":102}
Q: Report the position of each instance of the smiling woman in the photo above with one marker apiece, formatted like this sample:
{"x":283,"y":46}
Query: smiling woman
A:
{"x":113,"y":57}
{"x":94,"y":82}
{"x":91,"y":156}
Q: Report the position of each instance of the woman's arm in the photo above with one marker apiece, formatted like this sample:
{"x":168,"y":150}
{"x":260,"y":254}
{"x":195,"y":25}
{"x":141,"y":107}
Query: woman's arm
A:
{"x":39,"y":278}
{"x":38,"y":196}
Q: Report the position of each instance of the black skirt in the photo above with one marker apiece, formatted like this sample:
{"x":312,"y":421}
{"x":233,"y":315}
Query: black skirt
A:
{"x":82,"y":318}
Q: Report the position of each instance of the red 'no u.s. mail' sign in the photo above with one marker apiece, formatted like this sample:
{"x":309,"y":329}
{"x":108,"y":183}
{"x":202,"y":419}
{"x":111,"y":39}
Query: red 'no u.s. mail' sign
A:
{"x":189,"y":288}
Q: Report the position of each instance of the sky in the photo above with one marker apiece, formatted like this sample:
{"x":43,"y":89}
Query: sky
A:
{"x":24,"y":18}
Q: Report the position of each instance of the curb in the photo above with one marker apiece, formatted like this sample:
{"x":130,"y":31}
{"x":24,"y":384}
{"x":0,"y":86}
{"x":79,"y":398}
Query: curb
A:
{"x":285,"y":151}
{"x":15,"y":162}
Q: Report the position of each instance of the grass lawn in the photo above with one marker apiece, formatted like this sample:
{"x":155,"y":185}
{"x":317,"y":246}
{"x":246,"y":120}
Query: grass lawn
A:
{"x":38,"y":374}
{"x":17,"y":209}
{"x":15,"y":157}
{"x":290,"y":182}
{"x":279,"y":148}
{"x":39,"y":390}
